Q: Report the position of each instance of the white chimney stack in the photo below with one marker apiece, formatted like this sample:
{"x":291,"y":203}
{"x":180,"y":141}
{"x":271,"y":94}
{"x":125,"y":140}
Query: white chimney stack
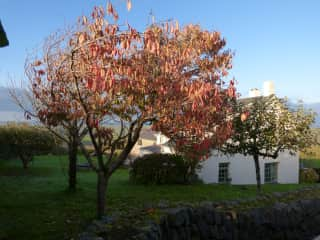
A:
{"x":268,"y":88}
{"x":254,"y":92}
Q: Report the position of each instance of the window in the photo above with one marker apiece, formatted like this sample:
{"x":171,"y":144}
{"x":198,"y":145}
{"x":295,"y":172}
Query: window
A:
{"x":224,"y":173}
{"x":270,"y":172}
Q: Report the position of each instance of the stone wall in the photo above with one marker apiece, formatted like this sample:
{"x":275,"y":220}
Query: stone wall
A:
{"x":296,"y":219}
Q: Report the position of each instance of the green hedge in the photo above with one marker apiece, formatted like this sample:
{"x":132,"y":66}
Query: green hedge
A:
{"x":159,"y":169}
{"x":25,"y":141}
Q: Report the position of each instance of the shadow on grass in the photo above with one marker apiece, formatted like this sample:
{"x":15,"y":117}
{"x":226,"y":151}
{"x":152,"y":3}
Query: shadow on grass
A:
{"x":32,"y":172}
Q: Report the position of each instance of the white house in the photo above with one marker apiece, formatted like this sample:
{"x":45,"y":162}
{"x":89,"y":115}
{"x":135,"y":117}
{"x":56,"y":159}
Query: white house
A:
{"x":240,"y":169}
{"x":234,"y":169}
{"x":149,"y":142}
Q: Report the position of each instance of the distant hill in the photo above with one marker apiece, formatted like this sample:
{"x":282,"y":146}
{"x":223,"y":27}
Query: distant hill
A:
{"x":6,"y":103}
{"x":315,"y":107}
{"x":9,"y":111}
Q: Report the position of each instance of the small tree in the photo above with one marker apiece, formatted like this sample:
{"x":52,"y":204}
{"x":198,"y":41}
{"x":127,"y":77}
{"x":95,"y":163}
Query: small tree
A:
{"x":265,"y":126}
{"x":166,"y":75}
{"x":52,"y":102}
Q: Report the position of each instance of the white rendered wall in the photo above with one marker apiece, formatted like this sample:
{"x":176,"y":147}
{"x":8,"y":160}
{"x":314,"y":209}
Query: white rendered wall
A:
{"x":161,"y":139}
{"x":289,"y":166}
{"x":242,"y":170}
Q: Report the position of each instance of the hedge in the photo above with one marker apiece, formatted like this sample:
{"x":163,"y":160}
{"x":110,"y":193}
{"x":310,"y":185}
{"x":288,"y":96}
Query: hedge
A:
{"x":25,"y":141}
{"x":159,"y":169}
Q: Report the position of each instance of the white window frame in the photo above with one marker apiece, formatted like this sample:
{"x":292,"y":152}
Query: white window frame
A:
{"x":271,"y":172}
{"x":224,"y":172}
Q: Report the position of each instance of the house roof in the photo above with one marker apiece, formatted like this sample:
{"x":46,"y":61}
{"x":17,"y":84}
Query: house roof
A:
{"x":152,"y":148}
{"x":250,"y":100}
{"x":147,"y":133}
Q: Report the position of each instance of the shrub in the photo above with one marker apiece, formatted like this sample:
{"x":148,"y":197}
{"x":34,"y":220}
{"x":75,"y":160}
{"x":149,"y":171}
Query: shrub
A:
{"x":159,"y":169}
{"x":25,"y":141}
{"x":318,"y":172}
{"x":308,"y":175}
{"x":59,"y":149}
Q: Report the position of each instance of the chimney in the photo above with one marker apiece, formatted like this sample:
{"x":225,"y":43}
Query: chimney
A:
{"x":254,"y":92}
{"x":268,"y":88}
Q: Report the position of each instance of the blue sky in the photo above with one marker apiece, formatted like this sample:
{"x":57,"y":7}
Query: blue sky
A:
{"x":276,"y":40}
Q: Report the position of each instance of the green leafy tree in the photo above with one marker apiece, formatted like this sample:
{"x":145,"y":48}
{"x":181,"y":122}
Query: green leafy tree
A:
{"x":265,"y":126}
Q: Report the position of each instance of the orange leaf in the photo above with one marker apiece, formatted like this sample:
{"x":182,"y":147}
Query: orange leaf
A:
{"x":37,"y":63}
{"x":82,"y":38}
{"x":129,"y":5}
{"x":243,"y":117}
{"x":110,"y":8}
{"x":84,"y":20}
{"x":177,"y":25}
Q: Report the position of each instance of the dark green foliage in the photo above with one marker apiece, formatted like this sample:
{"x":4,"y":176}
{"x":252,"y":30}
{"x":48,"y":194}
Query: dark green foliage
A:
{"x":308,"y":175}
{"x":3,"y":37}
{"x":159,"y":169}
{"x":60,"y":149}
{"x":25,"y":141}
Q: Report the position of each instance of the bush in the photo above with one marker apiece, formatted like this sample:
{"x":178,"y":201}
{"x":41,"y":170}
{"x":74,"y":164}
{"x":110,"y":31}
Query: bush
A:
{"x":318,"y":172}
{"x":159,"y":169}
{"x":25,"y":141}
{"x":59,"y":149}
{"x":308,"y":175}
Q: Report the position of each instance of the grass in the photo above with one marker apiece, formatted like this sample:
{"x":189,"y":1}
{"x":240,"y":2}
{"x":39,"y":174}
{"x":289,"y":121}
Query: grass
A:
{"x":310,"y":163}
{"x":34,"y":203}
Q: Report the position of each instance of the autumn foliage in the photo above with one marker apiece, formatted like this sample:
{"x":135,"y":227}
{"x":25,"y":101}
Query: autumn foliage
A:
{"x":168,"y":76}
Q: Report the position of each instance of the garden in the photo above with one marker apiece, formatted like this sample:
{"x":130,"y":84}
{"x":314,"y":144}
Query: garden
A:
{"x":67,"y":168}
{"x":36,"y":205}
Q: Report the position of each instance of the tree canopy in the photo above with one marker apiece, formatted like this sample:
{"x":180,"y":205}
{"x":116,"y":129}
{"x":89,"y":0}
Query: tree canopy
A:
{"x":266,"y":126}
{"x":168,"y":76}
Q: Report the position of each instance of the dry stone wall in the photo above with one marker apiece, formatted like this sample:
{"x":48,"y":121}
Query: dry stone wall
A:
{"x":294,"y":220}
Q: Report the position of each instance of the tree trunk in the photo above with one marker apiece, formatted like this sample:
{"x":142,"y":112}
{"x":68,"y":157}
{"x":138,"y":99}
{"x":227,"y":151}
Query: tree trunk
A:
{"x":25,"y":162}
{"x":26,"y":159}
{"x":258,"y":176}
{"x":101,"y":194}
{"x":72,"y":172}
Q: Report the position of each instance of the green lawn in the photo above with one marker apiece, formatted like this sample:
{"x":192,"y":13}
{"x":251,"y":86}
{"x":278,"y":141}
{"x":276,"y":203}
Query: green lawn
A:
{"x":35,"y":205}
{"x":311,"y":163}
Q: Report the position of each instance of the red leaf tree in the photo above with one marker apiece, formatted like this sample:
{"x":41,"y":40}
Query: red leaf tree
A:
{"x":51,"y":98}
{"x":168,"y":76}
